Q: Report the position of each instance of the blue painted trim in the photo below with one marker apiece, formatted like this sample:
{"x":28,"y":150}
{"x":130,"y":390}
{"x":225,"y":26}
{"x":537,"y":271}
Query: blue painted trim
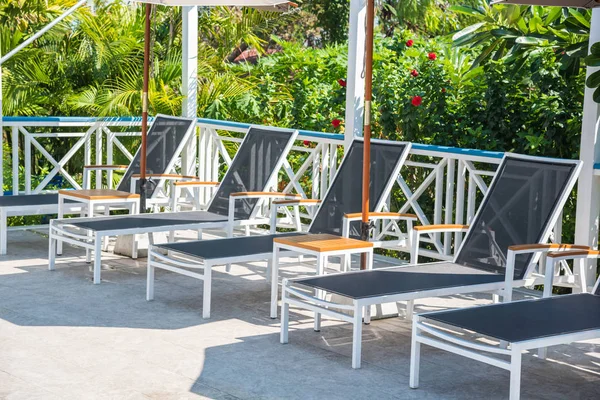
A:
{"x":597,"y":166}
{"x":458,"y":150}
{"x":71,"y":119}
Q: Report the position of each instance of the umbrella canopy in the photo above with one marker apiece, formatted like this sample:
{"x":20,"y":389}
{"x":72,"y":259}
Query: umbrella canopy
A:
{"x":272,"y":5}
{"x":558,"y":3}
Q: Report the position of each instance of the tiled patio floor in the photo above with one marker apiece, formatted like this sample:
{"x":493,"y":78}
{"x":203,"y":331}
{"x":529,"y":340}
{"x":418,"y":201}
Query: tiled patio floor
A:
{"x":63,"y":338}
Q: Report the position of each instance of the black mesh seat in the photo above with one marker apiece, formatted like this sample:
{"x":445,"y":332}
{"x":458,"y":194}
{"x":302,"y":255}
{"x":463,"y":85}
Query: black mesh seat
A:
{"x":26,"y":200}
{"x":343,"y":197}
{"x":528,"y":320}
{"x":519,"y":207}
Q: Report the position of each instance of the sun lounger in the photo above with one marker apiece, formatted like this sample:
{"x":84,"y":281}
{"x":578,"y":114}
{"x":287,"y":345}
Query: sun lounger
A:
{"x":166,"y":138}
{"x":236,"y":202}
{"x":521,"y":206}
{"x":516,"y":327}
{"x":343,"y":197}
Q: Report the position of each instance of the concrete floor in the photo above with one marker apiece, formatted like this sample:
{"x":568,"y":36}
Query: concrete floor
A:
{"x":63,"y":338}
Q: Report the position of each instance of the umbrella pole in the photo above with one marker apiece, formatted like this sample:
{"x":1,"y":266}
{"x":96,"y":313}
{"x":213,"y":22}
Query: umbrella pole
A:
{"x":366,"y":226}
{"x":143,"y":180}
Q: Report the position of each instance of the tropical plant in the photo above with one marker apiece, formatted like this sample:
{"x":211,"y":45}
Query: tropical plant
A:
{"x":514,"y":33}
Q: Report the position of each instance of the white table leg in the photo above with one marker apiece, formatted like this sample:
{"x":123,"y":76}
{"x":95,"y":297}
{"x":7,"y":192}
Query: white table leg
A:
{"x":415,"y":357}
{"x":97,"y":258}
{"x":321,"y":265}
{"x":285,"y":314}
{"x":274,"y":280}
{"x":51,"y":249}
{"x":150,"y":277}
{"x":61,"y":205}
{"x":356,"y":336}
{"x":207,"y":290}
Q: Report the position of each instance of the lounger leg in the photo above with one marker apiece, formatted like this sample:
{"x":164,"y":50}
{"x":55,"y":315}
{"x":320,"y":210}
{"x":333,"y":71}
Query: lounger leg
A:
{"x":97,"y":258}
{"x":59,"y":245}
{"x":3,"y":233}
{"x":515,"y":375}
{"x":206,"y":293}
{"x":150,"y":277}
{"x":199,"y":234}
{"x":274,"y":280}
{"x":356,"y":336}
{"x":415,"y":356}
{"x":410,"y":310}
{"x":51,"y":250}
{"x":321,"y":264}
{"x":105,"y":239}
{"x":285,"y":314}
{"x":344,"y":263}
{"x":495,"y":298}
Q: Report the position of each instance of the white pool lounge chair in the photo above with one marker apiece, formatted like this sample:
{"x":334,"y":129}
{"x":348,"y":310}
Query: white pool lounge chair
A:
{"x":166,"y":138}
{"x":521,"y":206}
{"x":342,"y":197}
{"x":237,"y":201}
{"x":517,"y":326}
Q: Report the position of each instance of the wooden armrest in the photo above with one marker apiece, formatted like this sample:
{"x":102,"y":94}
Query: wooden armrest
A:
{"x":385,"y":215}
{"x":105,"y":166}
{"x":446,"y":227}
{"x":574,"y":254}
{"x":546,"y":246}
{"x":300,"y":202}
{"x":266,"y":194}
{"x":169,"y":176}
{"x":195,"y":183}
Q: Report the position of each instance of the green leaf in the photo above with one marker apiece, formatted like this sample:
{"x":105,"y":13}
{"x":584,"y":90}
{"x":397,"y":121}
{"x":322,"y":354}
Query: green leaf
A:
{"x":529,"y":40}
{"x":592,"y":60}
{"x":593,"y":81}
{"x":595,"y":49}
{"x":553,"y":15}
{"x":596,"y":95}
{"x":468,"y":11}
{"x":412,"y":52}
{"x":469,"y":29}
{"x":485,"y":53}
{"x":579,"y":17}
{"x":505,"y":33}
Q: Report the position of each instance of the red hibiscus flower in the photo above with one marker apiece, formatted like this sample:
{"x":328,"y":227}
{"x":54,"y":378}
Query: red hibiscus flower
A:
{"x":342,"y":82}
{"x":443,"y":90}
{"x":432,"y":56}
{"x":414,"y":73}
{"x":409,"y":43}
{"x":307,"y":142}
{"x":416,"y":101}
{"x":336,"y":123}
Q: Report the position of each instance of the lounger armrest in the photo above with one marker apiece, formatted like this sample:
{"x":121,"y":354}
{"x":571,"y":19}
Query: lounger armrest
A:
{"x":193,"y":183}
{"x":104,"y":167}
{"x":272,"y":195}
{"x":299,"y":202}
{"x":417,"y":231}
{"x":545,"y":248}
{"x":440,"y":228}
{"x":381,"y":215}
{"x":165,"y":176}
{"x":573,"y":254}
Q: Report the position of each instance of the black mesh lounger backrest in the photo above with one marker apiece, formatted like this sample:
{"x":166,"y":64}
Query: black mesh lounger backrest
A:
{"x":524,"y":198}
{"x":165,"y":140}
{"x":345,"y":193}
{"x":259,"y":155}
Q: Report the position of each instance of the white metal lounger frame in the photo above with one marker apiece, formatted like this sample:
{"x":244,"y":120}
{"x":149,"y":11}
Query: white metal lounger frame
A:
{"x":173,"y":263}
{"x":92,"y":241}
{"x":444,"y":340}
{"x":292,"y":296}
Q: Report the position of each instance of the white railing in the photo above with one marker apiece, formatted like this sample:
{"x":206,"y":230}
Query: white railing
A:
{"x":441,"y":185}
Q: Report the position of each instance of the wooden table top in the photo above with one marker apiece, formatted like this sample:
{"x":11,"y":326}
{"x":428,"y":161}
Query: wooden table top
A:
{"x":99,"y":194}
{"x":323,"y":242}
